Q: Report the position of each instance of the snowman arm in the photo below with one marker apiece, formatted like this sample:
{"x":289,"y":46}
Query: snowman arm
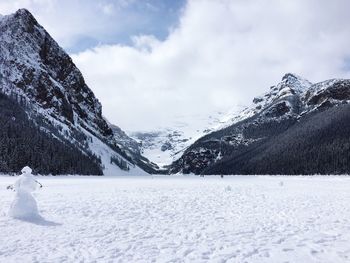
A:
{"x":40,"y":185}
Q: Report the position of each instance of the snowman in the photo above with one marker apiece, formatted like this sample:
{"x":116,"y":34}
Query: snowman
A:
{"x":24,"y":206}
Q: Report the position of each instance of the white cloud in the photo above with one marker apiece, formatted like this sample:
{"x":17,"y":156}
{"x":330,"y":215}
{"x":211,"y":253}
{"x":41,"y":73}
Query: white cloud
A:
{"x":107,"y":8}
{"x":222,"y":54}
{"x":72,"y":22}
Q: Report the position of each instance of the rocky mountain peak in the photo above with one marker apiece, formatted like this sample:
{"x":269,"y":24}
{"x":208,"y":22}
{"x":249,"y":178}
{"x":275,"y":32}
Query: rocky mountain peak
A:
{"x":25,"y":15}
{"x":281,"y":100}
{"x":294,"y":82}
{"x":290,"y":77}
{"x":21,"y":21}
{"x":41,"y":70}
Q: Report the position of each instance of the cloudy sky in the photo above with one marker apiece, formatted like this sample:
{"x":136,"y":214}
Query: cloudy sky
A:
{"x":152,"y":61}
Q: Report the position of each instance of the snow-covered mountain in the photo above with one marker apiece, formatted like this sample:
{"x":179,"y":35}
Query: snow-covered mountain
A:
{"x":164,"y":145}
{"x":36,"y":71}
{"x":295,"y":127}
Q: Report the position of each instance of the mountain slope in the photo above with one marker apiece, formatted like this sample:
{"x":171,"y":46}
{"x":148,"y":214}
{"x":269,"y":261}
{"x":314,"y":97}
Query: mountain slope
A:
{"x":22,"y":142}
{"x":295,"y":128}
{"x":133,"y":150}
{"x":34,"y":69}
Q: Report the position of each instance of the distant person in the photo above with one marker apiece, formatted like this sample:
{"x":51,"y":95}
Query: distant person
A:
{"x":24,"y":206}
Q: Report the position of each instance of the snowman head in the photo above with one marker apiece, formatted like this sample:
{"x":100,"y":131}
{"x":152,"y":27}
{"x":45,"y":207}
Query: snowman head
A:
{"x":26,"y":170}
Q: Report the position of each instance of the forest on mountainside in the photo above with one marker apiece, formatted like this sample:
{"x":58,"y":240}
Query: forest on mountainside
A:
{"x":24,"y":143}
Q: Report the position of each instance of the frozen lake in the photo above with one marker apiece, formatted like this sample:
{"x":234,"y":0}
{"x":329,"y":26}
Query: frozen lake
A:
{"x":181,"y":219}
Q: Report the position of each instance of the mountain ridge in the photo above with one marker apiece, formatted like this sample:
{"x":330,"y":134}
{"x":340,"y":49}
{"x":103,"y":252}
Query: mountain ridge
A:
{"x":248,"y":139}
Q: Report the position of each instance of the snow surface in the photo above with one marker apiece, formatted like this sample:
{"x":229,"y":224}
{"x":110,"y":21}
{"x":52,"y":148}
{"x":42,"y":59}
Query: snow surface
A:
{"x":181,"y":219}
{"x":105,"y":153}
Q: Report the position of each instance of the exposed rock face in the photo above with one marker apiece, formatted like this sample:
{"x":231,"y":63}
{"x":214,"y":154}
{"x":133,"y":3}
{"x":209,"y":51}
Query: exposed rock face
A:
{"x":35,"y":65}
{"x":337,"y":90}
{"x":133,"y":151}
{"x":278,"y":127}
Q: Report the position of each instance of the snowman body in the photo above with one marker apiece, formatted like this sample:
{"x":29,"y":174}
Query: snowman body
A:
{"x":24,"y":205}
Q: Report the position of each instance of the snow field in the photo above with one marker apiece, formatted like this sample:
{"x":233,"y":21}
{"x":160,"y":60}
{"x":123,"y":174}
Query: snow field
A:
{"x":181,"y":219}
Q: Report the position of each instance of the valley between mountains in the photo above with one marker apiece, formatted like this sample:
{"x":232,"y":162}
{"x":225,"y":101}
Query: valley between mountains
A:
{"x":52,"y":121}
